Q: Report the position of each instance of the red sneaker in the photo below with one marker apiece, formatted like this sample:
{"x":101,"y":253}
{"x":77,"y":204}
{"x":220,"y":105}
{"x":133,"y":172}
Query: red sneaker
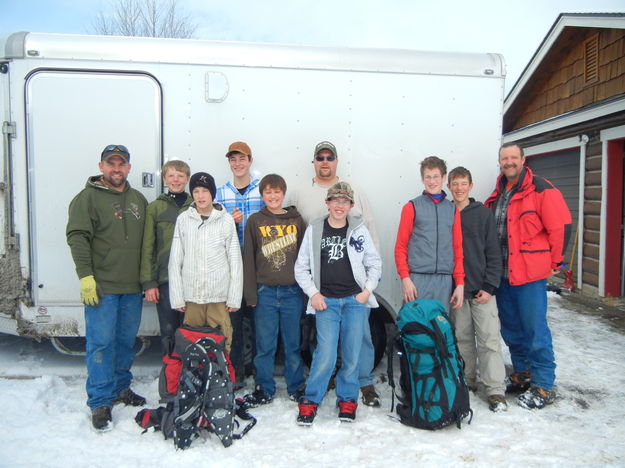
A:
{"x":347,"y":410}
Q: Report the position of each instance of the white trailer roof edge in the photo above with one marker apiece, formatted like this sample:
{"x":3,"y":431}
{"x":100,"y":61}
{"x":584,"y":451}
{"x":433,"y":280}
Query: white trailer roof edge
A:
{"x":137,"y":49}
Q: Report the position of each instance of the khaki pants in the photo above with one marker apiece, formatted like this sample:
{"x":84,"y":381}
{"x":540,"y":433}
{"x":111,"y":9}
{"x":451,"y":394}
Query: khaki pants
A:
{"x":479,"y":343}
{"x":213,"y":314}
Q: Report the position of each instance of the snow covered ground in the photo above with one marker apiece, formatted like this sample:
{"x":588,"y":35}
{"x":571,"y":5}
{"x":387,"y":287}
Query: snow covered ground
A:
{"x":44,"y":420}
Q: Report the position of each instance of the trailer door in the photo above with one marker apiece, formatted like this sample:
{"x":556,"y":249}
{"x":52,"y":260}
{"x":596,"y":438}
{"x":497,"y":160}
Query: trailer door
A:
{"x":71,"y":117}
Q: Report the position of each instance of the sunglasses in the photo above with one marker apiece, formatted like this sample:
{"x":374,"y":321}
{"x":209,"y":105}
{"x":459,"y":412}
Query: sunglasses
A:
{"x":325,"y":158}
{"x":117,"y":148}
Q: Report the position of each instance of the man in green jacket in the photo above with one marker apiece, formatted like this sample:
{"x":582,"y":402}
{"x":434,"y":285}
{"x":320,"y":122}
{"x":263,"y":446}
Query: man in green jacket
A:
{"x":104,"y":232}
{"x":160,"y":221}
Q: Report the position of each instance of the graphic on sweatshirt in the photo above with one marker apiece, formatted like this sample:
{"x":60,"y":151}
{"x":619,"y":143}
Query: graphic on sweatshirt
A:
{"x":334,"y":246}
{"x":133,"y":210}
{"x":277,"y":241}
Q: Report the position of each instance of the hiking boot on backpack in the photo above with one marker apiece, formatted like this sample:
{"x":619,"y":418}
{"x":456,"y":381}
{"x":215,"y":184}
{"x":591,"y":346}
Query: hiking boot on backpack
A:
{"x":307,"y":412}
{"x":101,"y":419}
{"x":257,"y":397}
{"x":497,"y":403}
{"x":518,"y":382}
{"x":347,"y":410}
{"x":128,"y":397}
{"x":369,"y":396}
{"x":536,"y":398}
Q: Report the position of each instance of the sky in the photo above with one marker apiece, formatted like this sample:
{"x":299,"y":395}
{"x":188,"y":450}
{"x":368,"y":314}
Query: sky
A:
{"x":45,"y":423}
{"x":514,"y":29}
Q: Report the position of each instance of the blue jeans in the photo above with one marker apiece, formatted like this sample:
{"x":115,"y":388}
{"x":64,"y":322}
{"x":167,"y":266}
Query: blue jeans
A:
{"x":524,"y":328}
{"x":345,"y":318}
{"x":111,"y":329}
{"x":367,"y":354}
{"x":279,"y":308}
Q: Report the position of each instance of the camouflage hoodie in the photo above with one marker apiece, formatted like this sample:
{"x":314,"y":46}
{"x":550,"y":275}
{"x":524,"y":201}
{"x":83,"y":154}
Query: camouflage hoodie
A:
{"x":104,"y":233}
{"x":160,"y":221}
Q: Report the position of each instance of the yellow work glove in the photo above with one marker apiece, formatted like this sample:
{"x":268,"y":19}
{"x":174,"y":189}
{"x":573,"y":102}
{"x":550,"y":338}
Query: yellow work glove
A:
{"x":88,"y":293}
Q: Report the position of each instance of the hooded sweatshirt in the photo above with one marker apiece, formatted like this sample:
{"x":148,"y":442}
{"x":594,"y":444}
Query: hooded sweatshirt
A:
{"x":104,"y":233}
{"x":482,"y":252}
{"x":363,"y":257}
{"x":272,"y":242}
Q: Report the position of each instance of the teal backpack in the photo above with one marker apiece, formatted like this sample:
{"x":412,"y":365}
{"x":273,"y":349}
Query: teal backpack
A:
{"x":434,"y":393}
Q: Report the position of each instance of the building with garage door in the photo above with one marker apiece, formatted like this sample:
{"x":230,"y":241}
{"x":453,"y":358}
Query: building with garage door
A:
{"x":568,"y":111}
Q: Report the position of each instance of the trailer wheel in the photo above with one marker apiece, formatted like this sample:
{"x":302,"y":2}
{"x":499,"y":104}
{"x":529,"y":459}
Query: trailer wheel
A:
{"x":77,"y":345}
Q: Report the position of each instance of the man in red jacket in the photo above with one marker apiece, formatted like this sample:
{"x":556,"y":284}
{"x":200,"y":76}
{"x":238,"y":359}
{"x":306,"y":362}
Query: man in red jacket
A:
{"x":533,"y":225}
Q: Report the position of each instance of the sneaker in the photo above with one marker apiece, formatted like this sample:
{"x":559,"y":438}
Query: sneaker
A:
{"x":369,"y":396}
{"x":128,"y":397}
{"x":518,"y":382}
{"x":536,"y":398}
{"x":258,"y":397}
{"x":307,"y":412}
{"x":101,"y":419}
{"x":497,"y":403}
{"x":295,"y":396}
{"x":347,"y":410}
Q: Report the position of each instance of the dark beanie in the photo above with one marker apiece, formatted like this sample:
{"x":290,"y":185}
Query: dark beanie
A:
{"x":203,"y":179}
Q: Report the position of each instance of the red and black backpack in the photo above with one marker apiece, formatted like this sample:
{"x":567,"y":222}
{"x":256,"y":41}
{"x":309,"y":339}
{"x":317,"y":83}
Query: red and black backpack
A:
{"x":196,"y":385}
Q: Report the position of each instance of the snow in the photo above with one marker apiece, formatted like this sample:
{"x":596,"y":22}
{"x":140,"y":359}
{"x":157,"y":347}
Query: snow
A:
{"x":44,"y":421}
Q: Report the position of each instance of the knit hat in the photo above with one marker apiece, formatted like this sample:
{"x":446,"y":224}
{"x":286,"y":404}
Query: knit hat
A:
{"x":341,"y":190}
{"x":203,"y":179}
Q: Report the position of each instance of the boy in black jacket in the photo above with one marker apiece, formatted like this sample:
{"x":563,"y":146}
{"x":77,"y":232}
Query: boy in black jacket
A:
{"x":478,"y":317}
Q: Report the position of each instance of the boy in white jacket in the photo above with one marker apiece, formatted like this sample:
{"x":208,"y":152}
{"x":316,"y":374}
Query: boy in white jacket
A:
{"x":205,"y":266}
{"x":338,"y":267}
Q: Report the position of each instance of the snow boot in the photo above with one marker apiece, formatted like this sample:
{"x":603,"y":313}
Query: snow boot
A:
{"x":497,"y":403}
{"x":295,"y":396}
{"x":369,"y":396}
{"x":128,"y":397}
{"x":518,"y":382}
{"x":257,"y":397}
{"x":101,"y":419}
{"x":536,"y":398}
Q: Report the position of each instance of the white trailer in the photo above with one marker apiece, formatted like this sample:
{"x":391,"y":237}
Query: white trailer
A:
{"x":64,"y":97}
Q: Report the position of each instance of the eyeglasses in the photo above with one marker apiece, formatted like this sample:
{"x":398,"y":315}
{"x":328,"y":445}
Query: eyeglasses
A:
{"x":117,"y":148}
{"x":325,"y":158}
{"x":340,"y":201}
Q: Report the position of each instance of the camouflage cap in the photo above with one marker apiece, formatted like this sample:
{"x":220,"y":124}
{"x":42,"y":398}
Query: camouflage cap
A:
{"x":341,"y":190}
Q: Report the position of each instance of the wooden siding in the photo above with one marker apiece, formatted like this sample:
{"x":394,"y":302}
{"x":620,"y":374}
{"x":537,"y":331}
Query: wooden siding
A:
{"x":560,"y":84}
{"x":592,"y":211}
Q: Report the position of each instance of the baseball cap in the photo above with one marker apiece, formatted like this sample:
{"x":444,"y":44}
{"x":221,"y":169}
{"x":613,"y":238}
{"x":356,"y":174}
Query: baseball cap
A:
{"x":115,"y":150}
{"x":325,"y":145}
{"x":239,"y":147}
{"x":341,"y":190}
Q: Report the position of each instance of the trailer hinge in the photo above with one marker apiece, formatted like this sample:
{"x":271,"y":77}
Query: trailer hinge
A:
{"x":8,"y":128}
